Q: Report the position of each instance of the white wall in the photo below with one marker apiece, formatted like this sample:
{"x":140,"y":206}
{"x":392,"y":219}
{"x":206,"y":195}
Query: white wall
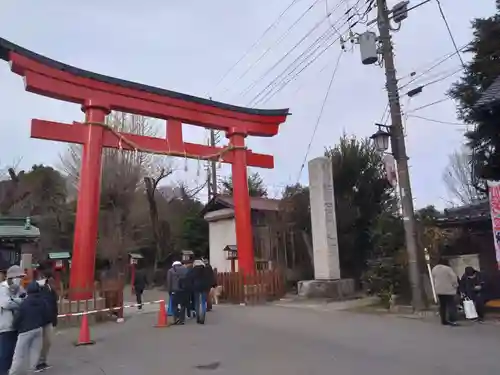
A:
{"x":221,"y":234}
{"x":459,"y":262}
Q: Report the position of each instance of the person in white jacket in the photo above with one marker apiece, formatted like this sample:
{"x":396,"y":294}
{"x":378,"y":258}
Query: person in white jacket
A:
{"x":11,"y":295}
{"x":446,"y":284}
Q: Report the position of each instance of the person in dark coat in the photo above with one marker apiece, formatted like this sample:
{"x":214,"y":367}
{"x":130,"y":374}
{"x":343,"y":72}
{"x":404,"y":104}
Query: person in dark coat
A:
{"x":212,"y":281}
{"x":472,"y":286}
{"x":176,"y":280}
{"x":140,"y":283}
{"x":198,"y":284}
{"x":49,"y":294}
{"x":29,"y":322}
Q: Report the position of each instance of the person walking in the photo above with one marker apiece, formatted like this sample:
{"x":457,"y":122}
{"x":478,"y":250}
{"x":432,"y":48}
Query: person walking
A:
{"x":140,"y":283}
{"x":49,"y":295}
{"x":176,"y":277}
{"x":11,"y":294}
{"x":212,"y":282}
{"x":472,"y":286}
{"x":198,"y":284}
{"x":32,"y":316}
{"x":446,"y":284}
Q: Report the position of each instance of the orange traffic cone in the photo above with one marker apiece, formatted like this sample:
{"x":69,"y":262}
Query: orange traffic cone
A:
{"x":162,"y":316}
{"x":84,"y":336}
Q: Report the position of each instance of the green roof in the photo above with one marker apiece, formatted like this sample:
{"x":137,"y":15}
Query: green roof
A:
{"x":60,"y":255}
{"x":17,"y":227}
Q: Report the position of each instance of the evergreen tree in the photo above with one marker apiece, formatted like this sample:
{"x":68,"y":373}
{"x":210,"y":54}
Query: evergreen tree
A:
{"x":479,"y":74}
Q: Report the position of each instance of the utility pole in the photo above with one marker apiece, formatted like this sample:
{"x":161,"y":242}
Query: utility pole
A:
{"x":213,"y":167}
{"x":399,"y":153}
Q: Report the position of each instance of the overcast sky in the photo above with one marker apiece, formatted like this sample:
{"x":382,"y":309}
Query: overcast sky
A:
{"x":188,"y":45}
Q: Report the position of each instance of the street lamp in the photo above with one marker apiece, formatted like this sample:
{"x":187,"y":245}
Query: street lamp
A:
{"x":381,"y":137}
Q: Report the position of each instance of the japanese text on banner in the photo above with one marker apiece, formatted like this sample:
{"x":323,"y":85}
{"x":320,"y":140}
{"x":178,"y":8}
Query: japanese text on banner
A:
{"x":494,"y":195}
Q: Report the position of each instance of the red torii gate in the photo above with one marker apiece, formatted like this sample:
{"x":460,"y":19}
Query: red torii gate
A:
{"x":98,"y":95}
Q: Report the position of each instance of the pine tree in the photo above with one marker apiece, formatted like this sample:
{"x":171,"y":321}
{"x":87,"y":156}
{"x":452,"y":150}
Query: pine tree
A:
{"x":478,"y":75}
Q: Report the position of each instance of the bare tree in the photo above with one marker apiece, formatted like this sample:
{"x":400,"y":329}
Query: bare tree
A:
{"x":122,"y":175}
{"x":151,"y":183}
{"x":457,"y":177}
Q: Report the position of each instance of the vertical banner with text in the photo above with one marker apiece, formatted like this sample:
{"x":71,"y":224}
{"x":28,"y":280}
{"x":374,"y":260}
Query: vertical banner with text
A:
{"x":494,"y":195}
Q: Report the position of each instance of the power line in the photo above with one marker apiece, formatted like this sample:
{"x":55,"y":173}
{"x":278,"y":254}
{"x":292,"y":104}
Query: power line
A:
{"x":318,"y":121}
{"x":275,"y":44}
{"x":247,"y":52}
{"x":443,"y":16}
{"x":428,"y":105}
{"x":280,"y":79}
{"x":437,"y":121}
{"x":255,"y":82}
{"x":325,"y":34}
{"x":284,"y":78}
{"x":436,"y":62}
{"x":413,"y":7}
{"x":437,"y":80}
{"x":434,"y":66}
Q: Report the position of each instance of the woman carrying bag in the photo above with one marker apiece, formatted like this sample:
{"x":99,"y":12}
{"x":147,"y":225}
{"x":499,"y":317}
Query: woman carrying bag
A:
{"x":472,"y":291}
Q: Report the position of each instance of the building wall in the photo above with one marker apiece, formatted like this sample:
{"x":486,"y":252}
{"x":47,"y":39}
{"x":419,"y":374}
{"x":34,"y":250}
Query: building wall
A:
{"x":221,"y":234}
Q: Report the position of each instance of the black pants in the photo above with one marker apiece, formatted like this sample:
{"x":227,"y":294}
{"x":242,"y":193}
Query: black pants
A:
{"x":138,"y":296}
{"x":191,"y":308}
{"x":447,"y":308}
{"x":180,"y":299}
{"x":209,"y":300}
{"x":8,"y":342}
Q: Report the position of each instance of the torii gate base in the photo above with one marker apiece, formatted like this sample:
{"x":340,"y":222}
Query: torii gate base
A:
{"x":98,"y":95}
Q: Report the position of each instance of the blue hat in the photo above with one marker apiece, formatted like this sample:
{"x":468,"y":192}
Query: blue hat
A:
{"x":33,"y":287}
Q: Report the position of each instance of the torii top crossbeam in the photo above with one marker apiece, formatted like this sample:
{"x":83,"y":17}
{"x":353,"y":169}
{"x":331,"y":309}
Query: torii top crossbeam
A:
{"x":98,"y":95}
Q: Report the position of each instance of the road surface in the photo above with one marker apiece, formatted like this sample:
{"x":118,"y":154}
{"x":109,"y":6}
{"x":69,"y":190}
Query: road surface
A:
{"x":274,"y":340}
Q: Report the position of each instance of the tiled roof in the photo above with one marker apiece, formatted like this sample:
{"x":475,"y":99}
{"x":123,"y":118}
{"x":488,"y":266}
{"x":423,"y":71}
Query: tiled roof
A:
{"x":256,"y":203}
{"x":490,"y":95}
{"x":474,"y":212}
{"x":12,"y":227}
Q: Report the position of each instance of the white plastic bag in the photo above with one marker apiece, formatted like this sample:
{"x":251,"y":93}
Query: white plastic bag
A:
{"x":470,"y":309}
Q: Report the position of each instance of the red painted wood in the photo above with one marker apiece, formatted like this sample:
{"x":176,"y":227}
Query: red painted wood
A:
{"x":244,"y":238}
{"x":76,"y":133}
{"x":87,"y":210}
{"x":62,"y":90}
{"x":174,"y":135}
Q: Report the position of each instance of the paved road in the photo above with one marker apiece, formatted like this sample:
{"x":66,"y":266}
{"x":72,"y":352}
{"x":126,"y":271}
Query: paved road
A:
{"x":275,"y":340}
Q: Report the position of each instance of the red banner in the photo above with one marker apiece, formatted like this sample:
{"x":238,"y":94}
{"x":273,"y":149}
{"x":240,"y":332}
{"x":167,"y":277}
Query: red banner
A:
{"x":494,"y":195}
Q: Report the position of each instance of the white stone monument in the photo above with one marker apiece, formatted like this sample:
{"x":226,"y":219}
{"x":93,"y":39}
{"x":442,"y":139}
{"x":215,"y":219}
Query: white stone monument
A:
{"x":323,"y":220}
{"x":327,"y":282}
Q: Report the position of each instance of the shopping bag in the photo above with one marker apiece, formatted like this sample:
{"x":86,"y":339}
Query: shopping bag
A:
{"x":470,"y":309}
{"x":170,"y":311}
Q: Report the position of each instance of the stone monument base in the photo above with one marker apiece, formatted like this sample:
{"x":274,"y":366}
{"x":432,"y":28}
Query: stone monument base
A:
{"x":332,"y":289}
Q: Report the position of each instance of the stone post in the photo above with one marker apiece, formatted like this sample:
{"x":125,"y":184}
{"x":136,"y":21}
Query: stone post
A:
{"x":323,"y":220}
{"x":327,"y":282}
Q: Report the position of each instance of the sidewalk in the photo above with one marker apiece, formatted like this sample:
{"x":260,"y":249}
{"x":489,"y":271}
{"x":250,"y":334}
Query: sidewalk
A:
{"x":369,"y":306}
{"x":325,"y":305}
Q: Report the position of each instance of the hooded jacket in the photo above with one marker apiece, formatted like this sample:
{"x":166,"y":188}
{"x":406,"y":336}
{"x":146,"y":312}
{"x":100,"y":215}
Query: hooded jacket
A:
{"x":9,"y":305}
{"x":175,"y":278}
{"x":470,"y":280}
{"x":50,"y":297}
{"x":34,"y":310}
{"x":198,"y":280}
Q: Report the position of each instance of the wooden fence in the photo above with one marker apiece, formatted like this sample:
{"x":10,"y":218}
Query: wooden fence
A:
{"x":260,"y":287}
{"x":102,"y":296}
